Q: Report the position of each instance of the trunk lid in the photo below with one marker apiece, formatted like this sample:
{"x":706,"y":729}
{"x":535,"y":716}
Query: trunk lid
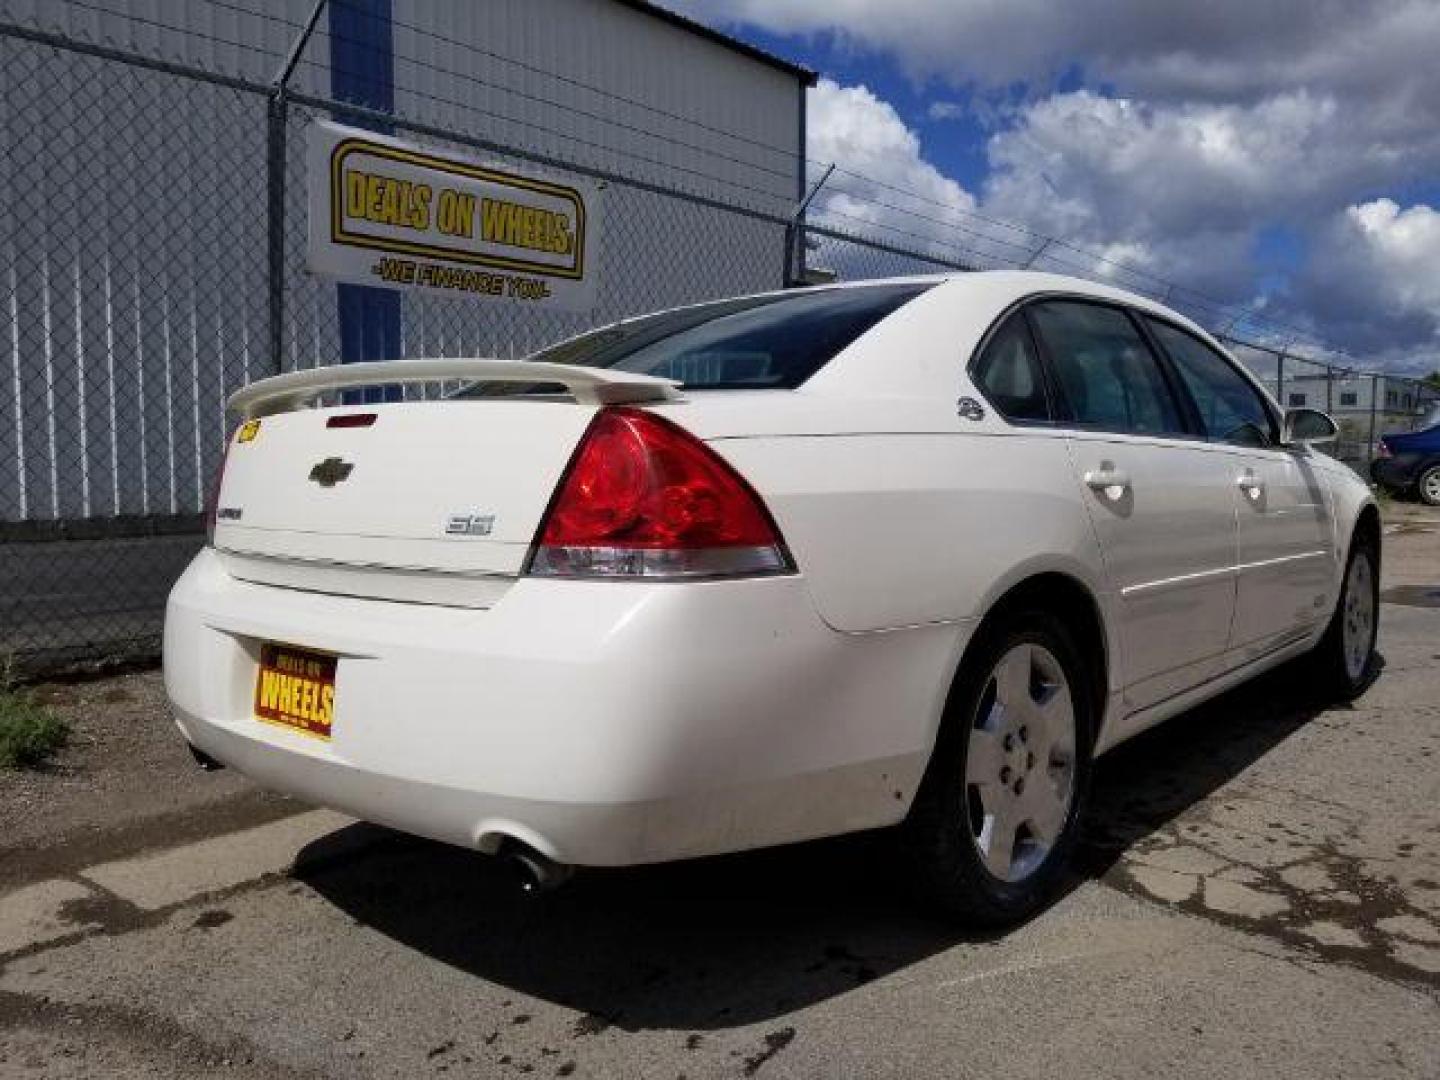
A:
{"x":449,"y":487}
{"x":424,"y":501}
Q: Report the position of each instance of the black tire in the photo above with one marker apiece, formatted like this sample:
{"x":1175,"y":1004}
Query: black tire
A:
{"x":1331,"y":661}
{"x":1427,"y":487}
{"x":937,"y":838}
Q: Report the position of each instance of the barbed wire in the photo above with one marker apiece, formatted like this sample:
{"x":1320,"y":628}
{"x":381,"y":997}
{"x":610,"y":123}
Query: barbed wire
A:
{"x":777,"y":203}
{"x":559,"y":77}
{"x":788,"y":175}
{"x":1046,"y":241}
{"x":188,"y":30}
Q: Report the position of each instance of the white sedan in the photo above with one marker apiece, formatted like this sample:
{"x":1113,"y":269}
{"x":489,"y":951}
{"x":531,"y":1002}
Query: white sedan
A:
{"x":909,"y":552}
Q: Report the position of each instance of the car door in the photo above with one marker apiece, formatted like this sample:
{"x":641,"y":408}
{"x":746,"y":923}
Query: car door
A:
{"x":1286,"y":570}
{"x":1160,"y":500}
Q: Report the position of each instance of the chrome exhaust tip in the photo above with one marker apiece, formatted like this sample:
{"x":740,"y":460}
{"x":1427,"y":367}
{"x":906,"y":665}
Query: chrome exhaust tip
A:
{"x":536,"y":873}
{"x":204,"y":760}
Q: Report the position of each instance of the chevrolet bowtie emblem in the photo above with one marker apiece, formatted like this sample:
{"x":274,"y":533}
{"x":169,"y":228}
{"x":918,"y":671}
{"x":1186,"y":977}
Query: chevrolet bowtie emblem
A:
{"x":331,"y":471}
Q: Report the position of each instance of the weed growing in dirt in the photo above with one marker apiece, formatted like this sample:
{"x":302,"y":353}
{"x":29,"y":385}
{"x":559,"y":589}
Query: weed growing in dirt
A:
{"x":30,"y":734}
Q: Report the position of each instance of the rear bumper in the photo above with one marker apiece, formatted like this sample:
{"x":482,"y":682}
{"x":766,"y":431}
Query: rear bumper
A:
{"x":603,"y":723}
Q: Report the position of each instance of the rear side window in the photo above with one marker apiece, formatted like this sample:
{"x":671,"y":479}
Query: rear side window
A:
{"x":757,"y":342}
{"x":1108,"y":377}
{"x":1230,"y":408}
{"x":1008,"y":372}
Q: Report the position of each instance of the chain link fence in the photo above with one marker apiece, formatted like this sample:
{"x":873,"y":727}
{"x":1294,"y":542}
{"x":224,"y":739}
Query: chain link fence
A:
{"x":154,"y":240}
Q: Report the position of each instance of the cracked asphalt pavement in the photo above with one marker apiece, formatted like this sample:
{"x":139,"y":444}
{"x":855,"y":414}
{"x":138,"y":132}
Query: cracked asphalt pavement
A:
{"x":1258,"y":894}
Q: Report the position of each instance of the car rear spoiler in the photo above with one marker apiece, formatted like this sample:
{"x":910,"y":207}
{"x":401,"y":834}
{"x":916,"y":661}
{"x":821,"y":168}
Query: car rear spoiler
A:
{"x":588,"y":385}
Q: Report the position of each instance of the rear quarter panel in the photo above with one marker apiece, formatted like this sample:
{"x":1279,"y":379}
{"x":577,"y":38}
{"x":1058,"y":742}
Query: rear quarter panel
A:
{"x":896,"y":530}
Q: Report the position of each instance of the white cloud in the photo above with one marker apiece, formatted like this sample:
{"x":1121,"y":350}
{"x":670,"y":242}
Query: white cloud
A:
{"x":1230,"y":49}
{"x":1375,"y":276}
{"x":851,"y":126}
{"x":1401,"y":248}
{"x":1179,"y":190}
{"x":945,"y":110}
{"x":880,"y":161}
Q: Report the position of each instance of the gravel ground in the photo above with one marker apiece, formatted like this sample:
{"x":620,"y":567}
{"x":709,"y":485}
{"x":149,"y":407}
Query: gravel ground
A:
{"x":125,"y":782}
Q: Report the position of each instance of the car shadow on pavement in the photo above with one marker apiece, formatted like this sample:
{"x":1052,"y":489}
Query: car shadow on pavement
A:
{"x":720,"y":942}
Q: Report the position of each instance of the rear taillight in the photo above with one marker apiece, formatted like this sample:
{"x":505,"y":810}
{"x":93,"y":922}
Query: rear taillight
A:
{"x":1383,"y":450}
{"x":213,"y":505}
{"x":644,"y":498}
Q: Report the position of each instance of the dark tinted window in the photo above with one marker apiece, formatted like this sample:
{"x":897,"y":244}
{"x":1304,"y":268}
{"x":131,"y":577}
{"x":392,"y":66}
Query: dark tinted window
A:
{"x":752,"y":343}
{"x":1008,"y":372}
{"x":1108,"y":377}
{"x":1230,"y":408}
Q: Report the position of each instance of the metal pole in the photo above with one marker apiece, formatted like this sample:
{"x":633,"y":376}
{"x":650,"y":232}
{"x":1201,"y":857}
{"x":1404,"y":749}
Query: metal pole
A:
{"x":1374,"y":393}
{"x":795,"y":235}
{"x":287,"y":68}
{"x":275,"y":123}
{"x":277,"y":110}
{"x":1038,"y":252}
{"x":1280,"y":379}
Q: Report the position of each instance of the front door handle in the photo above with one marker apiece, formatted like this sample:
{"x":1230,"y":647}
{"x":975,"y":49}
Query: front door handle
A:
{"x":1108,"y":480}
{"x":1250,"y":484}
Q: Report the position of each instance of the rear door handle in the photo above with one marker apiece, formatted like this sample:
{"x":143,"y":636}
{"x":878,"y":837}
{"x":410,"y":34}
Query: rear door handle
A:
{"x":1112,"y":482}
{"x":1250,"y":484}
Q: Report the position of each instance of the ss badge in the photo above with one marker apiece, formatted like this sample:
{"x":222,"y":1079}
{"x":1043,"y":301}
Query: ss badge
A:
{"x":469,"y":524}
{"x":970,"y":409}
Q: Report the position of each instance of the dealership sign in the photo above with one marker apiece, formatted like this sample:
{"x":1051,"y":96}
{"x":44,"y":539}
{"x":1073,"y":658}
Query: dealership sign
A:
{"x":389,"y":213}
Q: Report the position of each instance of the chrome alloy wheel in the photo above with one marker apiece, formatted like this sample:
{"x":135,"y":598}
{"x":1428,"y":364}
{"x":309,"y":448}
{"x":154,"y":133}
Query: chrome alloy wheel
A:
{"x":1357,"y":627}
{"x":1020,"y":763}
{"x":1430,"y":487}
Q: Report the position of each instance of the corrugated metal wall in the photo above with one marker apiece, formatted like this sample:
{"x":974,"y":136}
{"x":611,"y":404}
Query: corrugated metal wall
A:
{"x":133,"y":240}
{"x":605,"y":85}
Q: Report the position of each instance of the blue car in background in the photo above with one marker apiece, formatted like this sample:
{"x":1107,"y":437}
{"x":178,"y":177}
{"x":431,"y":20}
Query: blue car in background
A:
{"x":1410,"y":461}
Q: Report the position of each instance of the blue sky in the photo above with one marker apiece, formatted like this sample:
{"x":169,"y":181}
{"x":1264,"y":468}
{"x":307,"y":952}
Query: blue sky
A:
{"x":955,"y":145}
{"x":1281,"y":158}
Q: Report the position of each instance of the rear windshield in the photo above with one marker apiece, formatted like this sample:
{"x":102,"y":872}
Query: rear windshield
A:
{"x":757,"y":342}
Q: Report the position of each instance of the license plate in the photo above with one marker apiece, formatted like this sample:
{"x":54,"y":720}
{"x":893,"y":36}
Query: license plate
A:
{"x":295,"y":689}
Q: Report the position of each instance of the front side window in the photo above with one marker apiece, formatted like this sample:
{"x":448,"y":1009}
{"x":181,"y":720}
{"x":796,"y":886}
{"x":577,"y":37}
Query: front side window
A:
{"x":1230,"y":408}
{"x":1108,"y":377}
{"x":1007,"y":371}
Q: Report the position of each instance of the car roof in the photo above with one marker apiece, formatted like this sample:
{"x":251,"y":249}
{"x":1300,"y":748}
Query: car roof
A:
{"x":1017,"y":284}
{"x":954,"y":315}
{"x":1023,"y":283}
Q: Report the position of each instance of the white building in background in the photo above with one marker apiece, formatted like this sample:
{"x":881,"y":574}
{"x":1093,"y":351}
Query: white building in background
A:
{"x":1343,"y":394}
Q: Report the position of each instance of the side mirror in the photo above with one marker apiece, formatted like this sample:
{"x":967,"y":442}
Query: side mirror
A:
{"x":1308,"y":427}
